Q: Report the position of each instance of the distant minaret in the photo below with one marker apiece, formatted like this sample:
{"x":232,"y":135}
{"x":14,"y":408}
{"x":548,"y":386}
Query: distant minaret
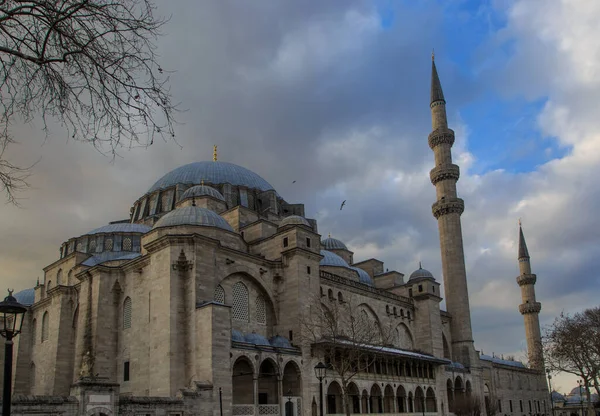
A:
{"x":447,"y":211}
{"x":530,"y":309}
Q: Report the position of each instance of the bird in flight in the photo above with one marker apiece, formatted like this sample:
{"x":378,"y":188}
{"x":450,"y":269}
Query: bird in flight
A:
{"x":342,"y":206}
{"x":293,"y":181}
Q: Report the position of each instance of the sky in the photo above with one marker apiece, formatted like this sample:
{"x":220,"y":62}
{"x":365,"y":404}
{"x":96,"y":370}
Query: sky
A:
{"x":335,"y":96}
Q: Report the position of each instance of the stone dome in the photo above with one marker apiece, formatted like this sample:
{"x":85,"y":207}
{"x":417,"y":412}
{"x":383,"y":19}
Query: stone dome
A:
{"x":421,"y":273}
{"x":363,"y":276}
{"x":333,"y":244}
{"x":294,"y":220}
{"x":121,"y":227}
{"x":193,"y":215}
{"x":332,"y":259}
{"x":202,"y":190}
{"x":212,"y":172}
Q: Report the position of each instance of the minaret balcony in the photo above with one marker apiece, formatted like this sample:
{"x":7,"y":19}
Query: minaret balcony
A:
{"x":441,"y":136}
{"x":531,"y":307}
{"x":444,"y":172}
{"x":448,"y":206}
{"x":526,"y":279}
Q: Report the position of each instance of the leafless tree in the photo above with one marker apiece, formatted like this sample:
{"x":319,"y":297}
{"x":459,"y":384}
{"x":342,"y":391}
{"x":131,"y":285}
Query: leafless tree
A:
{"x":467,"y":406}
{"x":89,"y":65}
{"x":572,"y":345}
{"x":348,"y":337}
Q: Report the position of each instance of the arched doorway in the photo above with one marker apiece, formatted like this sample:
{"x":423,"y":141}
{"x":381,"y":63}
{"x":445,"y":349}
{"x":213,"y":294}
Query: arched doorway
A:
{"x":430,"y":402}
{"x":388,"y":399}
{"x":354,"y":396}
{"x":450,"y":393}
{"x":334,"y":399}
{"x":267,"y":383}
{"x":419,"y":400}
{"x":242,"y":381}
{"x":292,"y":383}
{"x":458,"y":390}
{"x":486,"y":398}
{"x":365,"y":402}
{"x":468,"y":388}
{"x":376,"y":399}
{"x":401,"y":399}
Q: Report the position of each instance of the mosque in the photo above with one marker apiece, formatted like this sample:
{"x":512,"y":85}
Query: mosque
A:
{"x":194,"y":305}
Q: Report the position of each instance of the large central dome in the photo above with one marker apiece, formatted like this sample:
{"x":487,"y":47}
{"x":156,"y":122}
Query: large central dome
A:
{"x":212,"y":172}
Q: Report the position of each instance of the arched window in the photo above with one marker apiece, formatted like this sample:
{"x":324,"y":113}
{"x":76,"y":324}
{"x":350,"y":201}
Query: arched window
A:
{"x":45,"y":325}
{"x":127,"y":313}
{"x":330,"y":294}
{"x":340,"y":297}
{"x":127,"y":244}
{"x":219,"y":294}
{"x":395,"y":311}
{"x":59,"y":276}
{"x":108,"y":244}
{"x":92,"y":246}
{"x":32,"y":377}
{"x":240,"y":302}
{"x":261,"y":313}
{"x":33,"y":332}
{"x":48,"y":285}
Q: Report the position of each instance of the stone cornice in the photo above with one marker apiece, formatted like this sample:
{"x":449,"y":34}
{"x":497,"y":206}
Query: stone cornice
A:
{"x":526,"y":279}
{"x":531,"y":307}
{"x":444,"y":172}
{"x":448,"y":206}
{"x":441,"y":136}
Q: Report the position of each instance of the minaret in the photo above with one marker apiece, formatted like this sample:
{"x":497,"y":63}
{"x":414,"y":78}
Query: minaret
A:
{"x":447,"y":210}
{"x":530,"y":309}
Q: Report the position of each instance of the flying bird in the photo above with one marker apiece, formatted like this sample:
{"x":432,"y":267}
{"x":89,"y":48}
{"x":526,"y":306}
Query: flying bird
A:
{"x":293,"y":181}
{"x":342,"y":206}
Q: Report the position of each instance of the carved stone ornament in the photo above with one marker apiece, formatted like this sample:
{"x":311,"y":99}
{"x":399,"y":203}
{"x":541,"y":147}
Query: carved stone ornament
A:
{"x":532,"y":307}
{"x":526,"y":279}
{"x":443,"y":172}
{"x":441,"y":136}
{"x":448,"y":206}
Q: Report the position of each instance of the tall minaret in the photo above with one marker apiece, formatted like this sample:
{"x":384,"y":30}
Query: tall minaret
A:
{"x":447,"y":211}
{"x":530,"y":309}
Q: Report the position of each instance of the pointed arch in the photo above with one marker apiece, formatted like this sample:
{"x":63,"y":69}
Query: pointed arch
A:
{"x":239,"y":308}
{"x":447,"y":353}
{"x":430,"y":401}
{"x":401,"y":399}
{"x":419,"y":400}
{"x":59,"y":277}
{"x":376,"y":399}
{"x":292,"y":379}
{"x":450,"y":392}
{"x":354,"y":394}
{"x":127,"y":313}
{"x":334,"y":399}
{"x":388,"y":399}
{"x":45,"y":326}
{"x":32,"y":378}
{"x":268,"y":375}
{"x":219,"y":295}
{"x":404,"y":337}
{"x":243,"y":381}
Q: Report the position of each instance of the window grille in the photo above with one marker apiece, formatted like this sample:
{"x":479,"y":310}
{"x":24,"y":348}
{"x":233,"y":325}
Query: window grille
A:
{"x":127,"y":313}
{"x":219,"y":294}
{"x":240,"y":302}
{"x":127,"y":244}
{"x":261,"y":313}
{"x":45,"y":325}
{"x":92,"y":246}
{"x":108,"y":244}
{"x":79,"y":246}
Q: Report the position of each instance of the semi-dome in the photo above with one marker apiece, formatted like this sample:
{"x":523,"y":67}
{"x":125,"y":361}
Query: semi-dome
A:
{"x":363,"y":276}
{"x":121,"y":227}
{"x":256,"y":339}
{"x":421,"y":273}
{"x":294,"y":220}
{"x":332,"y":259}
{"x":202,"y":190}
{"x":25,"y":297}
{"x":193,"y":215}
{"x":212,"y":172}
{"x":333,"y":244}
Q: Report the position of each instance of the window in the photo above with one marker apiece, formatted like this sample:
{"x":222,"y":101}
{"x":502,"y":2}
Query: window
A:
{"x":395,"y":311}
{"x":45,"y":325}
{"x":240,"y":302}
{"x":308,"y":242}
{"x":108,"y":244}
{"x":127,"y":244}
{"x":340,"y":297}
{"x":126,"y":371}
{"x":33,"y":332}
{"x":285,"y":241}
{"x":330,"y":294}
{"x":529,"y":405}
{"x":48,"y":285}
{"x":219,"y":294}
{"x":420,"y":288}
{"x":127,"y":313}
{"x":387,"y":309}
{"x":59,"y":275}
{"x":261,"y":314}
{"x":402,"y":312}
{"x":307,"y":269}
{"x":499,"y":405}
{"x":410,"y":293}
{"x":433,"y":289}
{"x":408,"y":314}
{"x":291,"y":335}
{"x":521,"y":405}
{"x":510,"y":405}
{"x":92,"y":246}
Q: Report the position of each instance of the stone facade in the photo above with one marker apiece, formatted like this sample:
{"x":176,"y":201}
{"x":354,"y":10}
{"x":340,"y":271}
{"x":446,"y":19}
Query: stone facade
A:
{"x":195,"y":306}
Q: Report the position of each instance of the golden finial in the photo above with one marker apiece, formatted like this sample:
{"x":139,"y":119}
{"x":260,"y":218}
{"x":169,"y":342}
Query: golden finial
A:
{"x":202,"y":182}
{"x":519,"y":222}
{"x":215,"y":153}
{"x":433,"y":54}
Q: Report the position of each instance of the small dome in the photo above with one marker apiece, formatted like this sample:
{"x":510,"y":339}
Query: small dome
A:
{"x":25,"y":297}
{"x":237,"y":335}
{"x":294,"y":220}
{"x":280,"y":342}
{"x":421,"y":273}
{"x":333,"y":244}
{"x":193,"y":216}
{"x":556,"y":396}
{"x":363,"y":276}
{"x":256,"y":339}
{"x":121,"y":227}
{"x":202,"y":190}
{"x":332,"y":259}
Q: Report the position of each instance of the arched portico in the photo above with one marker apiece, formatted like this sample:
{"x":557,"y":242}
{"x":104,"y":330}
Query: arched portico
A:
{"x":430,"y":402}
{"x":334,"y":399}
{"x":354,"y":396}
{"x":376,"y":400}
{"x":401,"y":399}
{"x":388,"y":400}
{"x":419,"y":400}
{"x":268,"y":383}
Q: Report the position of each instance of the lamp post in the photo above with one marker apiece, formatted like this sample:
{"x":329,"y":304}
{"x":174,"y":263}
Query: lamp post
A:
{"x":423,"y":407}
{"x":580,"y":382}
{"x":11,"y":323}
{"x":320,"y":373}
{"x":551,"y":397}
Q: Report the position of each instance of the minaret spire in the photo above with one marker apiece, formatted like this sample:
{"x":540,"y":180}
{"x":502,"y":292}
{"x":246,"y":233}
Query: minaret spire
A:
{"x":447,"y":210}
{"x":530,"y":308}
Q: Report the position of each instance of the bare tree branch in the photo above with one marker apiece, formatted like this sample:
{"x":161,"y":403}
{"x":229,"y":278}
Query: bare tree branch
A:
{"x":90,"y":65}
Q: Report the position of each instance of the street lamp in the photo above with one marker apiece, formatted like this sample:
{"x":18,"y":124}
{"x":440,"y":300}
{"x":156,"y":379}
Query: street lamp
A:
{"x":11,"y":322}
{"x":551,"y":397}
{"x":423,"y":408}
{"x":580,"y":382}
{"x":320,"y":373}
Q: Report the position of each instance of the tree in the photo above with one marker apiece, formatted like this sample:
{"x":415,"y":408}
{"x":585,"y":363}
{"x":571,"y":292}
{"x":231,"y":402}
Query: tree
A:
{"x":348,"y":336}
{"x":89,"y":65}
{"x":572,"y":345}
